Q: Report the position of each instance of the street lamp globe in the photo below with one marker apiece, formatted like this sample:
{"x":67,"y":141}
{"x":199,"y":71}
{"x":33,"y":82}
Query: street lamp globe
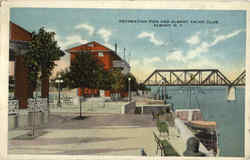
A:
{"x":129,"y":88}
{"x":59,"y":81}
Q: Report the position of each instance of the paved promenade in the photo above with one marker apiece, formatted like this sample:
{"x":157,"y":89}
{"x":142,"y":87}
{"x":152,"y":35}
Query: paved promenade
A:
{"x":98,"y":134}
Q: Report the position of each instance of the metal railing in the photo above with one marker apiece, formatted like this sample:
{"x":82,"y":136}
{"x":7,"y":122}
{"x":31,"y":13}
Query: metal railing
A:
{"x":65,"y":100}
{"x":38,"y":104}
{"x":13,"y":107}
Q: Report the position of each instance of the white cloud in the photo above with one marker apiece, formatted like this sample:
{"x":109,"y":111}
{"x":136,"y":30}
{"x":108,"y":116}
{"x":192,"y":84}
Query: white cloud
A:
{"x":73,"y":39}
{"x":151,"y":60}
{"x":141,"y":68}
{"x":66,"y":41}
{"x":105,"y":34}
{"x":69,"y":40}
{"x":203,"y":63}
{"x":220,"y":38}
{"x":204,"y":46}
{"x":110,"y":46}
{"x":50,"y":29}
{"x":87,"y":27}
{"x":193,"y":40}
{"x":176,"y":55}
{"x":193,"y":57}
{"x":151,"y":37}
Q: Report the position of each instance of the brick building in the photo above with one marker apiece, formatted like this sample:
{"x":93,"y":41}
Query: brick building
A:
{"x":19,"y":38}
{"x":108,"y":57}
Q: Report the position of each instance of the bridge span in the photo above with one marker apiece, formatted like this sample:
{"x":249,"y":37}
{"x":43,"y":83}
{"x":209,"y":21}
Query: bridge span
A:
{"x":192,"y":77}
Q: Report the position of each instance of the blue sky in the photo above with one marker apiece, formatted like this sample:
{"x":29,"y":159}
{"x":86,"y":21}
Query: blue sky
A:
{"x":219,"y":45}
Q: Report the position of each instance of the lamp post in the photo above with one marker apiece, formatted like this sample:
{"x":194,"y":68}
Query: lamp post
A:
{"x":129,"y":92}
{"x":48,"y":98}
{"x":58,"y":81}
{"x":163,"y":89}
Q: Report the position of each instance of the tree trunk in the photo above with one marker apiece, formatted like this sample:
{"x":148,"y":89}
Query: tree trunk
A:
{"x":80,"y":107}
{"x":45,"y":86}
{"x":21,"y":83}
{"x":30,"y":90}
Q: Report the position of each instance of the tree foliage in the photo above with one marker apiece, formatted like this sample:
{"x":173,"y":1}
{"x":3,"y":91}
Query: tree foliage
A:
{"x":41,"y":56}
{"x":118,"y":81}
{"x":84,"y":72}
{"x":105,"y":80}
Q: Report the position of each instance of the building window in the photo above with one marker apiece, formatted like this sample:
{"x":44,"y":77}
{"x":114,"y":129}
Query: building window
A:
{"x":100,"y":54}
{"x":90,"y":45}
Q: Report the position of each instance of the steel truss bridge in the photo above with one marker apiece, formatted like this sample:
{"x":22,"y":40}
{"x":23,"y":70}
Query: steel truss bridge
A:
{"x":192,"y":77}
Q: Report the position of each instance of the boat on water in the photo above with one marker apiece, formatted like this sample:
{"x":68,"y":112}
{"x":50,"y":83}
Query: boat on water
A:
{"x":206,"y":132}
{"x":189,"y":123}
{"x":186,"y":124}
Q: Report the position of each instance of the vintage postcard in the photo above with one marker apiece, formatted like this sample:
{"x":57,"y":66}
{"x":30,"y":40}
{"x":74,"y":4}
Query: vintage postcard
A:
{"x":127,"y":81}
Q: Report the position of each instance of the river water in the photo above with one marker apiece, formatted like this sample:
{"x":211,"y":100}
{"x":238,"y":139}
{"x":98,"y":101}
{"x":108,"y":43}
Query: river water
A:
{"x":213,"y":103}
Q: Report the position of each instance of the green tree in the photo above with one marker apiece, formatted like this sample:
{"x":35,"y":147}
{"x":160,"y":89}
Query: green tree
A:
{"x":118,"y":80}
{"x":41,"y":57}
{"x":105,"y":79}
{"x":84,"y":72}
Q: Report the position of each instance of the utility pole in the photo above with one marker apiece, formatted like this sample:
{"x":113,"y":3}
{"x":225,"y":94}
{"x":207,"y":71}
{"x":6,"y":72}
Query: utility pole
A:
{"x":124,"y":54}
{"x":129,"y":57}
{"x":116,"y":48}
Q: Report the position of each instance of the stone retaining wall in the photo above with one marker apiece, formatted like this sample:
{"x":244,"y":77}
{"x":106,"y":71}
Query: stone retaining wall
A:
{"x":117,"y":107}
{"x":148,"y":109}
{"x":183,"y":114}
{"x":24,"y":119}
{"x":109,"y":107}
{"x":129,"y":108}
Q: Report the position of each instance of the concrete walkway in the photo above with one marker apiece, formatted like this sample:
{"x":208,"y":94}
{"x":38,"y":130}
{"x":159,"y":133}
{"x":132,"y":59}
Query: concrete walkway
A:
{"x":98,"y":134}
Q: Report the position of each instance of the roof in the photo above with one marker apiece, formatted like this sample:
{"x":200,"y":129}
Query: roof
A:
{"x":92,"y":47}
{"x":87,"y":47}
{"x":18,"y":33}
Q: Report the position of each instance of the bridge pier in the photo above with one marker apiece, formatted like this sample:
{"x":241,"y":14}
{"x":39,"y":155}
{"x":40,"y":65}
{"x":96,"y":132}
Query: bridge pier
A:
{"x":231,"y":93}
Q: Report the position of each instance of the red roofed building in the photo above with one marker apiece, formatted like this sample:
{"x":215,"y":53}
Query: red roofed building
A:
{"x":108,"y":57}
{"x":19,"y":39}
{"x":17,"y":33}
